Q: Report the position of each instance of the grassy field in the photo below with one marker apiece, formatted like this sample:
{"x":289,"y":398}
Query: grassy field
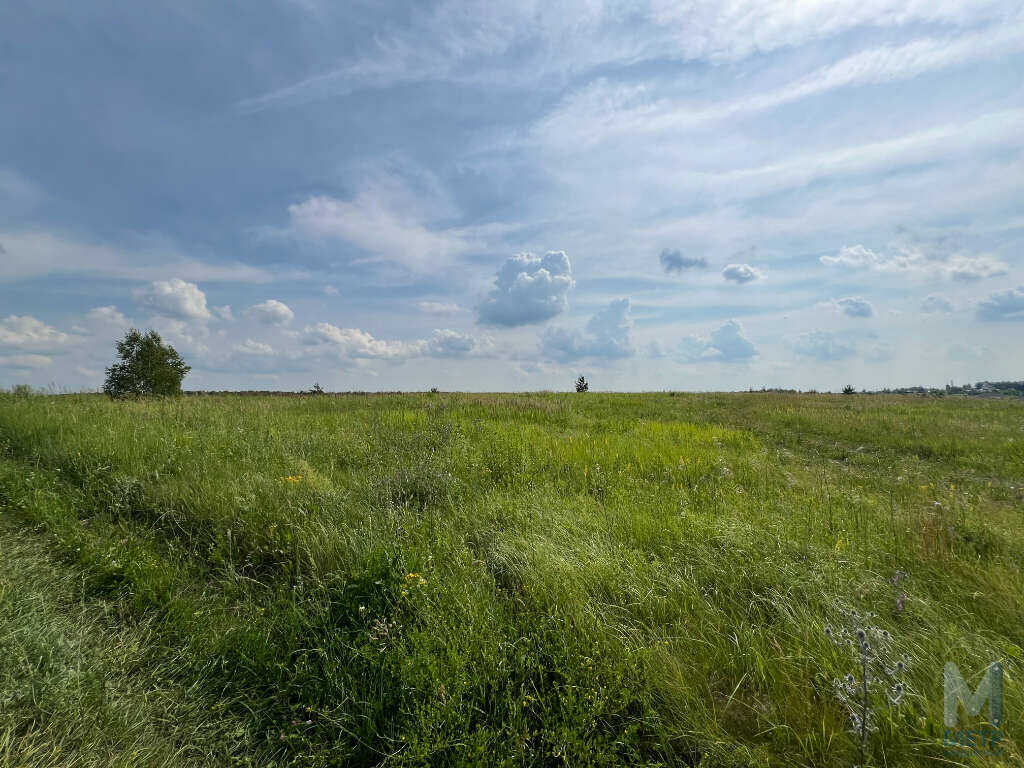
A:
{"x":502,"y":579}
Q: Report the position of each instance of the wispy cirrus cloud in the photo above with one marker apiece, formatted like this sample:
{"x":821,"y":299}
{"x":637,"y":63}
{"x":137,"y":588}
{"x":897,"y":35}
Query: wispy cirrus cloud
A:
{"x":605,"y":109}
{"x":29,"y":255}
{"x":471,"y":42}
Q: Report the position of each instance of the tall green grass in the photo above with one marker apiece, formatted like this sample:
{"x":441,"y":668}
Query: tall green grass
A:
{"x":537,"y":579}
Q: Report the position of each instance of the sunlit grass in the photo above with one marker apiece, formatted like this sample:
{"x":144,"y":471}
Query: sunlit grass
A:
{"x":598,"y":579}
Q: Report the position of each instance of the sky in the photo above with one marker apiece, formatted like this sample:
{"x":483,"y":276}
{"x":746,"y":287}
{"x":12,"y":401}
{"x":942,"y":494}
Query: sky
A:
{"x":372,"y":195}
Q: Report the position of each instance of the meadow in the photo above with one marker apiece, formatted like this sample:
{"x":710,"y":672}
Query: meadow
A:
{"x":534,"y":579}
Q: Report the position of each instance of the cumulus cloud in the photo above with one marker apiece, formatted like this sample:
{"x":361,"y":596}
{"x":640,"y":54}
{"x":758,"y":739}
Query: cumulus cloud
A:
{"x":254,"y":348}
{"x":438,"y":307}
{"x":741,"y":273}
{"x":271,"y":312}
{"x":528,"y":289}
{"x":675,"y":261}
{"x":224,"y":313}
{"x":353,"y":344}
{"x":445,"y":342}
{"x":726,"y":344}
{"x":822,"y":346}
{"x":26,"y":332}
{"x":934,"y":304}
{"x":855,"y":257}
{"x":1002,"y":305}
{"x":608,"y":335}
{"x":959,"y":266}
{"x":108,"y":316}
{"x":855,"y":306}
{"x":174,"y":298}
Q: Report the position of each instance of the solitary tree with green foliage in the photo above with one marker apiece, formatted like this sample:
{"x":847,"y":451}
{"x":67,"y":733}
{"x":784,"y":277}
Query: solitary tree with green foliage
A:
{"x":582,"y":385}
{"x":147,"y":367}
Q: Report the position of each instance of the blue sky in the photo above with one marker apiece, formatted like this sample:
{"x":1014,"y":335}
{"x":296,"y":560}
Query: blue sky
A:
{"x":495,"y":196}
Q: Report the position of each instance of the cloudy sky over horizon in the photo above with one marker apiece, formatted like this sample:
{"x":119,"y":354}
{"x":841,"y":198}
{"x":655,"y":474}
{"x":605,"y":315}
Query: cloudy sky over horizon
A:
{"x":495,"y":196}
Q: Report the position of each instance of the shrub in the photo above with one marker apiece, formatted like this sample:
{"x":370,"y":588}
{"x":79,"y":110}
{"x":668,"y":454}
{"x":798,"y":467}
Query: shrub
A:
{"x":147,"y":367}
{"x":582,"y":385}
{"x":317,"y":389}
{"x":849,"y":390}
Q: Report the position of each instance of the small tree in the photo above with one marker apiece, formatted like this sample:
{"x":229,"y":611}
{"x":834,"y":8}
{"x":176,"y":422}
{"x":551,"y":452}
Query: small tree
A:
{"x":147,"y":367}
{"x":849,"y":390}
{"x":582,"y":385}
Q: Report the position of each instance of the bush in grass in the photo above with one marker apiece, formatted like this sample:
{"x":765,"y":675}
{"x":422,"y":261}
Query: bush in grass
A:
{"x":147,"y":367}
{"x":849,"y":390}
{"x":582,"y":385}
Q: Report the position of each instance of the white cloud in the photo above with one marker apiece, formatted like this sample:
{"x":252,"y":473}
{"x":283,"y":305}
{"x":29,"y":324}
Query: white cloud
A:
{"x":448,"y":343}
{"x":856,"y":257}
{"x":330,"y":290}
{"x":603,"y":109}
{"x":528,"y":289}
{"x":25,"y":362}
{"x":351,"y":344}
{"x":468,"y":42}
{"x":729,"y":31}
{"x":969,"y":268}
{"x":29,"y":255}
{"x":224,"y":313}
{"x":26,"y":332}
{"x":958,"y":266}
{"x":854,"y":306}
{"x":823,"y":346}
{"x":371,"y":223}
{"x":438,"y":307}
{"x":174,"y":298}
{"x":107,"y":317}
{"x":608,"y":335}
{"x":271,"y":312}
{"x":625,"y":182}
{"x":726,"y":344}
{"x":1002,"y":305}
{"x":254,"y":348}
{"x":741,"y":273}
{"x":934,"y":304}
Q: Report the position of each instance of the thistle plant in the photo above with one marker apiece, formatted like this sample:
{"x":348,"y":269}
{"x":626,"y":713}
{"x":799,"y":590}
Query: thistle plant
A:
{"x":879,"y":679}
